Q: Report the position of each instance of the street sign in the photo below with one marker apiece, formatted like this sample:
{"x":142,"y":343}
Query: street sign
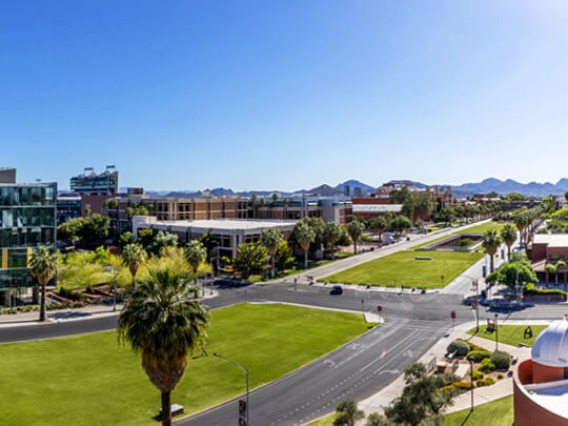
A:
{"x":473,"y":302}
{"x":379,"y":308}
{"x":453,"y":315}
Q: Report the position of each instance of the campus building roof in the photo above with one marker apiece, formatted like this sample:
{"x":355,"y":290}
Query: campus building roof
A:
{"x":551,"y":346}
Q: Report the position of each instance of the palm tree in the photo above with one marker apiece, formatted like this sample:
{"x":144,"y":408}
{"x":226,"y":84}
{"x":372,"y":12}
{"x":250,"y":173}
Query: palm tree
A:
{"x":133,"y":256}
{"x":195,"y":254}
{"x":521,"y":222}
{"x":355,"y":228}
{"x":261,"y":205}
{"x":491,"y":243}
{"x":43,"y":267}
{"x":271,"y":239}
{"x":285,"y":203}
{"x":272,"y":204}
{"x":380,"y":224}
{"x":304,"y":235}
{"x":332,"y":233}
{"x":161,"y":321}
{"x":509,"y":236}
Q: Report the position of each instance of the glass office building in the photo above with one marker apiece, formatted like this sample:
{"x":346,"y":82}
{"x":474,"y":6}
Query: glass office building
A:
{"x":27,"y":220}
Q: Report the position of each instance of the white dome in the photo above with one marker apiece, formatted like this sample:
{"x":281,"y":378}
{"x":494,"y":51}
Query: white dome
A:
{"x":551,"y":346}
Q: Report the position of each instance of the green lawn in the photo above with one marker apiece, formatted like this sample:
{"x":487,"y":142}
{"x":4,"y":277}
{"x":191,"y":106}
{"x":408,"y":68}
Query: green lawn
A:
{"x":402,"y":268}
{"x":92,"y":380}
{"x":496,"y":413}
{"x":477,"y":229}
{"x":509,"y":334}
{"x":324,"y":421}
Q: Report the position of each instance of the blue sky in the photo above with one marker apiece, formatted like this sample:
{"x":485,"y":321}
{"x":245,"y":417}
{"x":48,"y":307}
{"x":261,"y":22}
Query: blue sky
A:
{"x":284,"y":95}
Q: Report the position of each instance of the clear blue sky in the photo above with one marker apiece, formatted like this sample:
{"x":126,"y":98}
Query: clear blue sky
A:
{"x":285,"y":95}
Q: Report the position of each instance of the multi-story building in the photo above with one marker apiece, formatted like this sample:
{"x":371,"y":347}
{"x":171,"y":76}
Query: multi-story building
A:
{"x":228,"y":232}
{"x":121,"y":208}
{"x":27,"y":220}
{"x":92,"y":183}
{"x":94,"y":188}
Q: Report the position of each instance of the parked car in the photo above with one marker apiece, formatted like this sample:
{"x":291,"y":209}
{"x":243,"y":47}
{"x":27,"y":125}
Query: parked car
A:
{"x":336,"y":290}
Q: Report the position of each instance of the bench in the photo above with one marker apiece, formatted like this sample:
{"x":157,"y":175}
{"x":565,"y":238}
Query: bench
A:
{"x":176,"y":410}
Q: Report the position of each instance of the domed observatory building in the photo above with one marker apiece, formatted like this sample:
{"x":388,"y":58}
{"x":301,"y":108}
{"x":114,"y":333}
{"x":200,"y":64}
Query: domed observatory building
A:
{"x":540,"y":384}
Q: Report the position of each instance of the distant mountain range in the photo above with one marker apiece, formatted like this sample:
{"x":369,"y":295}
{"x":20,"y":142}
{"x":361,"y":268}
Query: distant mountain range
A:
{"x":532,"y":189}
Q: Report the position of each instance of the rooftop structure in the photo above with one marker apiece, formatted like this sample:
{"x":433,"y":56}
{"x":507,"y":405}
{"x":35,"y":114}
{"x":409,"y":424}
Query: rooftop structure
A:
{"x":92,"y":183}
{"x":540,"y":384}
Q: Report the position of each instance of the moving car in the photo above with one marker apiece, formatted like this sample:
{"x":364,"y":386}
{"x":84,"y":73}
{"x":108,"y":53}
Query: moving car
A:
{"x":336,"y":290}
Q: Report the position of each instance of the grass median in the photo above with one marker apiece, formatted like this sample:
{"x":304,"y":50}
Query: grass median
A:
{"x":510,"y":334}
{"x":496,"y":413}
{"x":408,"y":268}
{"x":92,"y":380}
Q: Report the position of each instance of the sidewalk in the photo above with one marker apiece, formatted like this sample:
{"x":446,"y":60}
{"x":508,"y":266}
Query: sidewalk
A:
{"x":502,"y":388}
{"x":72,"y":314}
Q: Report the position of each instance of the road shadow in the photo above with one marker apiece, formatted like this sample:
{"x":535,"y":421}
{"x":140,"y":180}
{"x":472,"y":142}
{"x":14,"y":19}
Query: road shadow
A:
{"x":69,"y":315}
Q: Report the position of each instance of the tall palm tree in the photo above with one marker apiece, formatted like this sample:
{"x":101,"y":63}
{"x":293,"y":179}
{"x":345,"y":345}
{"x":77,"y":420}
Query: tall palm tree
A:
{"x":304,"y":235}
{"x":271,"y":239}
{"x":272,"y":204}
{"x":509,"y":236}
{"x":285,"y":203}
{"x":161,"y":321}
{"x":491,"y":243}
{"x":521,"y":222}
{"x":355,"y":229}
{"x":380,"y":224}
{"x":195,"y":254}
{"x":332,"y":233}
{"x":134,"y":256}
{"x":43,"y":267}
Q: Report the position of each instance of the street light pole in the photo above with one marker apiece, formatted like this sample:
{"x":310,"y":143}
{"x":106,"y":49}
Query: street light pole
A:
{"x":244,"y":370}
{"x":471,"y":380}
{"x":496,"y":334}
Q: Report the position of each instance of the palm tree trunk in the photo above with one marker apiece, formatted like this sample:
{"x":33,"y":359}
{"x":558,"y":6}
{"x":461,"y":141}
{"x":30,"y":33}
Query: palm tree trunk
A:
{"x":133,"y":283}
{"x":166,"y":409}
{"x":305,"y":259}
{"x":491,"y":263}
{"x":509,"y":253}
{"x":42,"y":304}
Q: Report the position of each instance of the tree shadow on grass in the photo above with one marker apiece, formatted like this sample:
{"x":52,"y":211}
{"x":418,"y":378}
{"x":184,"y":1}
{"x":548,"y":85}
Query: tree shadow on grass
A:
{"x":464,"y":421}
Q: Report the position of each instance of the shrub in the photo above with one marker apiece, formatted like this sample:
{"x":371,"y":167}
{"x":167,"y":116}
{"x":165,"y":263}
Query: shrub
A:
{"x":472,"y":345}
{"x":462,"y":385}
{"x":459,"y":347}
{"x":478,"y":355}
{"x":502,"y":360}
{"x":488,"y":381}
{"x":477,"y":375}
{"x":487,"y":365}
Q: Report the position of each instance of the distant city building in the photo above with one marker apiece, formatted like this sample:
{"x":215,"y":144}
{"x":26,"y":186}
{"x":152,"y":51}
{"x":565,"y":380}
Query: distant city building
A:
{"x":367,"y":208}
{"x":7,"y":175}
{"x":69,"y":206}
{"x":89,"y":182}
{"x":27,"y":220}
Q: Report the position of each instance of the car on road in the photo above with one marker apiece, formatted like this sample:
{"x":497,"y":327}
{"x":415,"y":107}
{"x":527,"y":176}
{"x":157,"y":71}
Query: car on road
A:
{"x":336,"y":290}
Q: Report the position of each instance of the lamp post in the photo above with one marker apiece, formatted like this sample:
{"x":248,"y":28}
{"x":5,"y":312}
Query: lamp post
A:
{"x":471,"y":380}
{"x":244,"y":370}
{"x":496,"y":334}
